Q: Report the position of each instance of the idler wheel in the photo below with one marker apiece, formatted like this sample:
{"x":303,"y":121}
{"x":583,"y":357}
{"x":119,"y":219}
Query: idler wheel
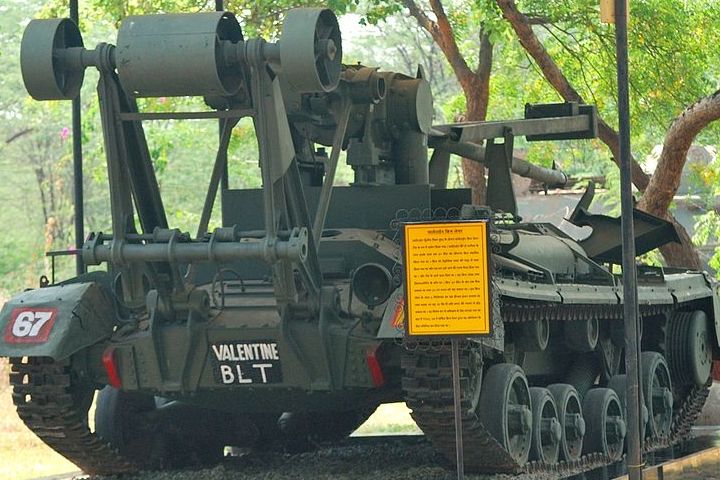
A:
{"x":687,"y":347}
{"x":606,"y":428}
{"x":657,"y":392}
{"x":505,"y":409}
{"x":547,"y":431}
{"x":572,"y":423}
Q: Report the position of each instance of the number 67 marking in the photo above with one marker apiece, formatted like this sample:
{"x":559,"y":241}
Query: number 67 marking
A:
{"x":30,"y":325}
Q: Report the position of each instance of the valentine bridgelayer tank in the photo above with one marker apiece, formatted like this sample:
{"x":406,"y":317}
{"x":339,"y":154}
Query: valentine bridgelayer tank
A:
{"x":283,"y":328}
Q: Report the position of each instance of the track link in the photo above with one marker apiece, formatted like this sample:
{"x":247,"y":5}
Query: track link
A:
{"x":427,"y":383}
{"x":47,"y":404}
{"x":50,"y":405}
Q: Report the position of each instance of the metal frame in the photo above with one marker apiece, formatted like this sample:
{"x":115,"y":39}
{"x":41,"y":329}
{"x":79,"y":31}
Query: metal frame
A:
{"x":476,"y":132}
{"x":77,"y":164}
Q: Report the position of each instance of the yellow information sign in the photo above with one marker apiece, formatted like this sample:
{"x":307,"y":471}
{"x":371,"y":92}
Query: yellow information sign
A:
{"x":446,"y":278}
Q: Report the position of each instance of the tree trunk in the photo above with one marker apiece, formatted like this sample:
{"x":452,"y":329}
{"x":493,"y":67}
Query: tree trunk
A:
{"x":477,"y":98}
{"x":676,"y":254}
{"x":475,"y":84}
{"x":666,"y":179}
{"x":474,"y":172}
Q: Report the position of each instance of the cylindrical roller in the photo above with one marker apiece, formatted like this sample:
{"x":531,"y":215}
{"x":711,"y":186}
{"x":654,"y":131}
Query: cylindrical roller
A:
{"x":44,"y":76}
{"x":439,"y":168}
{"x":519,"y":166}
{"x":547,"y":430}
{"x":409,"y":103}
{"x":311,"y":50}
{"x":411,"y":159}
{"x":365,"y":84}
{"x":569,"y":409}
{"x":177,"y":55}
{"x":582,"y":335}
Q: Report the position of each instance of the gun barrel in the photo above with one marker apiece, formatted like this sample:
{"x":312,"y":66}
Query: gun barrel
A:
{"x":519,"y":166}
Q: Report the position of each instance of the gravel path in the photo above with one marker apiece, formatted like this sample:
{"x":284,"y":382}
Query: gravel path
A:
{"x":383,"y":458}
{"x":386,"y":459}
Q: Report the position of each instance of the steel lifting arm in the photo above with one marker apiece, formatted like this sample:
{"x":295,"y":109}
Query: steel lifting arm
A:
{"x":557,"y":121}
{"x":211,"y":59}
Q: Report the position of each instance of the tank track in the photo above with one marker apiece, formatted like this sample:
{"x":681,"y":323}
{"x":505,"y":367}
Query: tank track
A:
{"x":429,"y":394}
{"x":43,"y":396}
{"x":42,"y":393}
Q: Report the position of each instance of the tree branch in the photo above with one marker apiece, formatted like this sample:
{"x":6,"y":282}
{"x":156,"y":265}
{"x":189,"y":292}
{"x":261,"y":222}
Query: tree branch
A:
{"x":678,"y":139}
{"x":17,"y":135}
{"x":421,"y":17}
{"x":659,"y":190}
{"x":441,"y":31}
{"x":560,"y":83}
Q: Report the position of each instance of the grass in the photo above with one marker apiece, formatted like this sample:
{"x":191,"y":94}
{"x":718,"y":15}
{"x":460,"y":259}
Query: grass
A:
{"x":388,"y":419}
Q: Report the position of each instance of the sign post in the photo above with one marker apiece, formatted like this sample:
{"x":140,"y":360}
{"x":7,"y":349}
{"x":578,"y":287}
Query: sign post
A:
{"x":616,"y":11}
{"x":447,"y":292}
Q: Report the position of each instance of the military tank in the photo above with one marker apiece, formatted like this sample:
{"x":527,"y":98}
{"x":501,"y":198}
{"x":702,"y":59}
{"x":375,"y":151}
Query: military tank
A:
{"x":283,"y":328}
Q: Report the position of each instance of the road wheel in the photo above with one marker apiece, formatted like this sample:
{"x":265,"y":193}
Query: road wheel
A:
{"x":606,"y":428}
{"x":547,"y":431}
{"x":572,"y":422}
{"x":657,"y":392}
{"x":506,"y":409}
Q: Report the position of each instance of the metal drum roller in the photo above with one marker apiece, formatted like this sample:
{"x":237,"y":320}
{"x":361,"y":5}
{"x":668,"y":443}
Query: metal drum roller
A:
{"x":45,"y":74}
{"x":311,"y":38}
{"x":178,"y":55}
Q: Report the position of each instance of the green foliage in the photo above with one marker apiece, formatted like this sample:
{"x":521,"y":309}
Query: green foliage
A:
{"x":673,"y":62}
{"x":261,"y":18}
{"x":706,"y":183}
{"x":707,"y":232}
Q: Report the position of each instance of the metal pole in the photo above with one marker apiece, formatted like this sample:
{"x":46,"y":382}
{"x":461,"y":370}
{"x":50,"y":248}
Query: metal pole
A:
{"x":77,"y":164}
{"x":224,"y":180}
{"x":458,"y":411}
{"x":630,"y":306}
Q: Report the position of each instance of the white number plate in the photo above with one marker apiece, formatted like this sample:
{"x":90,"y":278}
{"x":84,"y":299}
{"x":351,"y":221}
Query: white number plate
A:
{"x":246,"y":363}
